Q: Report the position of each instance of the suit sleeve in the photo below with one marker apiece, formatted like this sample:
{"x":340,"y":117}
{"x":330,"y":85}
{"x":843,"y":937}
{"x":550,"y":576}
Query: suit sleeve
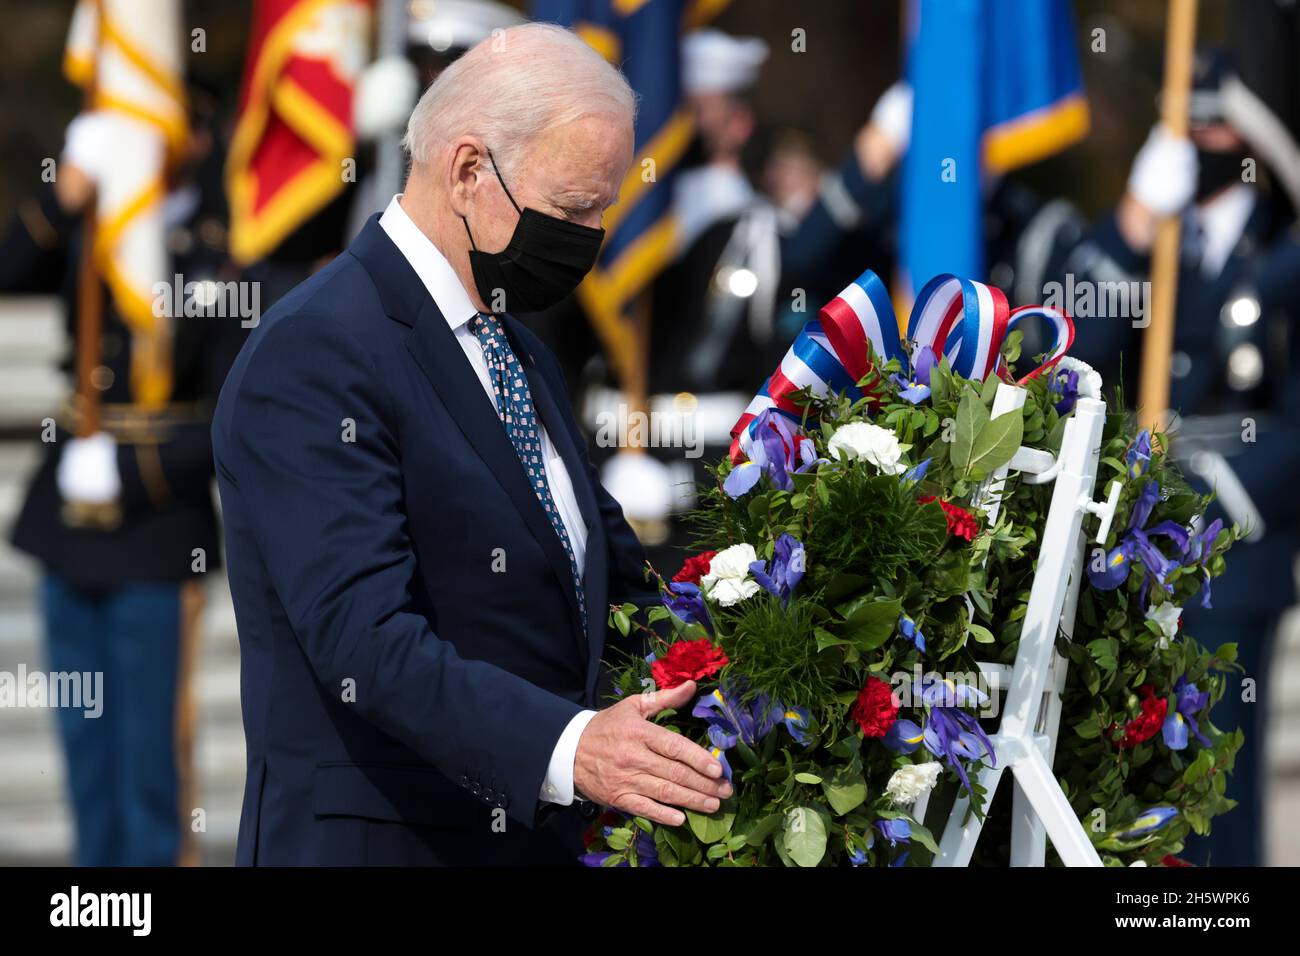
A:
{"x":327,"y":517}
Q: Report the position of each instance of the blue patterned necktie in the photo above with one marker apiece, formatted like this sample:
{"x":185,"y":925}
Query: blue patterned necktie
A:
{"x":514,"y":404}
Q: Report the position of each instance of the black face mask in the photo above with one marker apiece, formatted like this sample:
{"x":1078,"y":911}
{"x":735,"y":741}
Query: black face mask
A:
{"x":546,"y":259}
{"x":697,"y":152}
{"x":1216,"y":170}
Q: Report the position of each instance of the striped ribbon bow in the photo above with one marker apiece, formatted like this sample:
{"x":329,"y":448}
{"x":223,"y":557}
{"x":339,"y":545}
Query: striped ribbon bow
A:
{"x":964,"y":320}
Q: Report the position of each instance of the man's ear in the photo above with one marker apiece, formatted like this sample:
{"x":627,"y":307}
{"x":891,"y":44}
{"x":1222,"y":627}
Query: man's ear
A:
{"x":465,"y":172}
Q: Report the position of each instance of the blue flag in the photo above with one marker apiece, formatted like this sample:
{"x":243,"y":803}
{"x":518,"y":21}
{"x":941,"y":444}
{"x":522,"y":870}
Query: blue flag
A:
{"x":996,"y":85}
{"x":644,"y":40}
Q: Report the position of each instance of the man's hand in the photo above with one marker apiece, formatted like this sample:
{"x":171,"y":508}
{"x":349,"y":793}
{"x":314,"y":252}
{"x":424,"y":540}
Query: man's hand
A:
{"x":626,"y":761}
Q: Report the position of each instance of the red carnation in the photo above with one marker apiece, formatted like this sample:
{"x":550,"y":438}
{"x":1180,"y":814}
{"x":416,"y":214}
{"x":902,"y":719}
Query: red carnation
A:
{"x":687,"y":660}
{"x":961,"y":523}
{"x":875,"y":709}
{"x":695,"y":568}
{"x":1142,"y":728}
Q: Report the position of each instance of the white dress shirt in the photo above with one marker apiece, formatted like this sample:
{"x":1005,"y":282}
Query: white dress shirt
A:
{"x":454,"y":303}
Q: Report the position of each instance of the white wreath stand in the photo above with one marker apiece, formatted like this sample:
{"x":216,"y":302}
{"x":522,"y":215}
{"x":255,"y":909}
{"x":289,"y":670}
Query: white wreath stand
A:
{"x":1025,"y":742}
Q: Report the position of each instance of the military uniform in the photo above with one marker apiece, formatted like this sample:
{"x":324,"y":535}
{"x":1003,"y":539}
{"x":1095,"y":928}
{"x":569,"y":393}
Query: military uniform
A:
{"x":122,"y":600}
{"x":1235,"y":388}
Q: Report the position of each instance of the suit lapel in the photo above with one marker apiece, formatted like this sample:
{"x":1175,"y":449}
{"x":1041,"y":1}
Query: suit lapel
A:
{"x":434,"y":347}
{"x":595,"y":573}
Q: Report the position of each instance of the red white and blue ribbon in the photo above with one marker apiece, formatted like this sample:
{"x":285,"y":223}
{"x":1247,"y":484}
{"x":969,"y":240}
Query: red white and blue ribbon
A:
{"x":965,"y":321}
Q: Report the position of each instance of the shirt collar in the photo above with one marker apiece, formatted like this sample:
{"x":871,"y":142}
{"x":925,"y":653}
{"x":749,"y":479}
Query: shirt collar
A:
{"x":429,"y":264}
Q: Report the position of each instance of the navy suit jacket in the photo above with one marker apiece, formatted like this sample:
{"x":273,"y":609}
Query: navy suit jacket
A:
{"x":411,"y":645}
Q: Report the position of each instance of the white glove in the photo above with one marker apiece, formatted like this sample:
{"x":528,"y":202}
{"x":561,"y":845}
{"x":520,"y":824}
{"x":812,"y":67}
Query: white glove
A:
{"x":892,"y":114}
{"x":385,"y":94}
{"x":88,"y":470}
{"x":90,"y":142}
{"x":1164,"y":172}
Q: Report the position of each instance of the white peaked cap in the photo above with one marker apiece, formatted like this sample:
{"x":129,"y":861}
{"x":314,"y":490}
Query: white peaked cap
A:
{"x":713,"y":62}
{"x":457,"y":24}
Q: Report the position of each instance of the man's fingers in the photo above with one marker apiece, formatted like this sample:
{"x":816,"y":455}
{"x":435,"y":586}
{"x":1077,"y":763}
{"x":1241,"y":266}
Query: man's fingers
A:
{"x":673,"y":698}
{"x":667,"y":792}
{"x":676,"y":747}
{"x":683,"y":775}
{"x":640,"y":806}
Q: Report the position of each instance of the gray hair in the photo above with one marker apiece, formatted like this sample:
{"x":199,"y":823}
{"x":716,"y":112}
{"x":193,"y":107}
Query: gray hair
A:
{"x":513,"y":86}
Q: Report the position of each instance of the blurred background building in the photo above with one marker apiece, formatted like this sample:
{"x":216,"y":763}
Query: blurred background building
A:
{"x":782,"y":116}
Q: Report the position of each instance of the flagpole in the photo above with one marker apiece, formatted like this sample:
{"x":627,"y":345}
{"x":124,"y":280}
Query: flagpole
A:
{"x":1158,"y":341}
{"x":390,"y":164}
{"x":90,"y":292}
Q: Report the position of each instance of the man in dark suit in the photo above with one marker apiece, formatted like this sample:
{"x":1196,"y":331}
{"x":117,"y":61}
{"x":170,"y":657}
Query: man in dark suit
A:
{"x":420,"y":554}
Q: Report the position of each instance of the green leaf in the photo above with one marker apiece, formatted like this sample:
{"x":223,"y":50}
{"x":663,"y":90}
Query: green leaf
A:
{"x":869,"y":621}
{"x":845,"y":791}
{"x":763,"y":829}
{"x":971,"y":418}
{"x":804,"y":836}
{"x":826,"y":639}
{"x":993,"y":447}
{"x":924,"y":837}
{"x":619,"y":839}
{"x":713,"y":827}
{"x":980,"y":634}
{"x":808,"y":778}
{"x":989,"y":390}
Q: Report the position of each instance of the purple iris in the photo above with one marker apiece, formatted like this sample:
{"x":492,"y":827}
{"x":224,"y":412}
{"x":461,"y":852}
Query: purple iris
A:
{"x":949,"y":732}
{"x":647,"y":854}
{"x":731,"y":719}
{"x":917,"y":388}
{"x":778,"y":450}
{"x":685,"y":601}
{"x":1139,"y":454}
{"x":786,"y":570}
{"x":904,"y":736}
{"x":952,"y":733}
{"x":938,"y":691}
{"x":1188,"y":702}
{"x":1065,"y":386}
{"x":1198,"y":550}
{"x":907,"y":627}
{"x":915,"y":473}
{"x":895,"y":831}
{"x":1148,"y":821}
{"x":796,"y":722}
{"x":1137,"y":543}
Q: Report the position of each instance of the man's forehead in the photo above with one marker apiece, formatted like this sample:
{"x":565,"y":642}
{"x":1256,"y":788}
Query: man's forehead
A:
{"x":573,"y":162}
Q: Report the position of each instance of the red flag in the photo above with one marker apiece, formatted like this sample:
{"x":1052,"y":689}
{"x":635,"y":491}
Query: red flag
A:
{"x":293,"y":142}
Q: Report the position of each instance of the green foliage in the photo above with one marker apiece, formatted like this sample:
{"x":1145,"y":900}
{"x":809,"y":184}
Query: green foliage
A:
{"x":878,"y":554}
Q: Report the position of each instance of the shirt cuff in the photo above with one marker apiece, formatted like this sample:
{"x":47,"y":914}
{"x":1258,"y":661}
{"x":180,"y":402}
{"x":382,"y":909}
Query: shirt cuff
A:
{"x":558,"y":785}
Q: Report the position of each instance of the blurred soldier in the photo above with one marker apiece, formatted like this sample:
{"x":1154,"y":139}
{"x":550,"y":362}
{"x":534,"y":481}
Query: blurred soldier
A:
{"x":713,"y":309}
{"x":437,"y":33}
{"x":711,"y":334}
{"x":749,"y":270}
{"x":1234,"y":384}
{"x":122,"y":599}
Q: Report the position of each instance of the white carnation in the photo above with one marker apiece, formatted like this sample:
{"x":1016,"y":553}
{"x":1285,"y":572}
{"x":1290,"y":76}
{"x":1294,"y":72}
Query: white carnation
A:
{"x":870,"y":443}
{"x":910,"y":783}
{"x":1166,"y":617}
{"x":1089,"y":380}
{"x":727,"y":581}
